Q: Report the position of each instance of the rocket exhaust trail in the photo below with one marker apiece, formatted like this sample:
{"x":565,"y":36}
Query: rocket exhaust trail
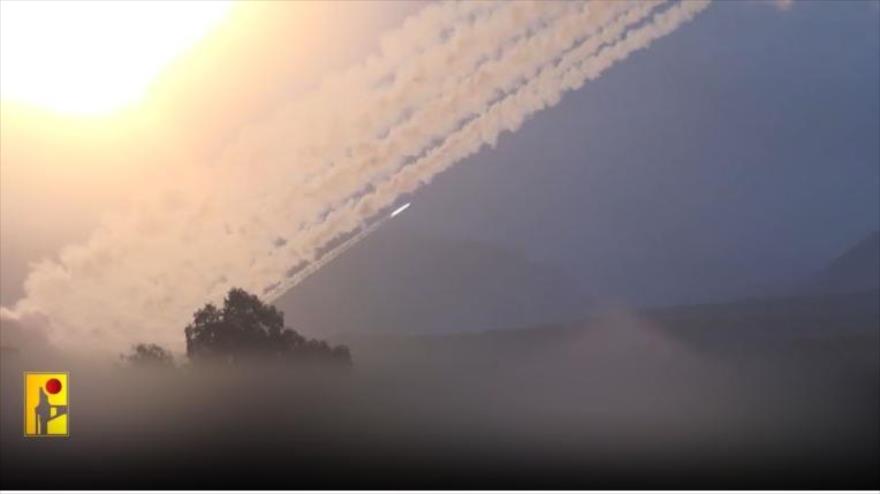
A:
{"x":618,"y":37}
{"x":274,"y":292}
{"x":296,"y":190}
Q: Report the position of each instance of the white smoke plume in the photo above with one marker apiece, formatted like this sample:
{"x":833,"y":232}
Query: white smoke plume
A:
{"x":448,"y":82}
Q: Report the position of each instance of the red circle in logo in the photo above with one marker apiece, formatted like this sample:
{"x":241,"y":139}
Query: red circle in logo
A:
{"x":53,"y":386}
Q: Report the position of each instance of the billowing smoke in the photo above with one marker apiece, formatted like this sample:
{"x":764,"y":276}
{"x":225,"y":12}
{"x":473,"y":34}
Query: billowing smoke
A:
{"x":326,"y":166}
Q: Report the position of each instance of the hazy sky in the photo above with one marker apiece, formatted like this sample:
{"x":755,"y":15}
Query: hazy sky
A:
{"x":739,"y":151}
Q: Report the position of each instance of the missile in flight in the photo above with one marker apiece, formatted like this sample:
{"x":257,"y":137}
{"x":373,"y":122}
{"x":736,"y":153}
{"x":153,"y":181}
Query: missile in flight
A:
{"x":399,"y":210}
{"x":276,"y":290}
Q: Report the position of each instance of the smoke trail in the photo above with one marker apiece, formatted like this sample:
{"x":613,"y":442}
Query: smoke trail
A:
{"x":507,"y":114}
{"x":322,"y":169}
{"x":386,"y":191}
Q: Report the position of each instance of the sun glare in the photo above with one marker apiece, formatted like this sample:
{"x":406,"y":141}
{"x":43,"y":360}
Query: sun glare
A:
{"x":94,"y":57}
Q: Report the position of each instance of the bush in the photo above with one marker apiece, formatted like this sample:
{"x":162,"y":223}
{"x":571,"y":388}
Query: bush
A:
{"x":149,"y":355}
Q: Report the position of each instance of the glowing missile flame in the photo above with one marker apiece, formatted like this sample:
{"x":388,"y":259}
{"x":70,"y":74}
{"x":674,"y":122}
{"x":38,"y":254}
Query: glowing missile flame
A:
{"x":399,"y":210}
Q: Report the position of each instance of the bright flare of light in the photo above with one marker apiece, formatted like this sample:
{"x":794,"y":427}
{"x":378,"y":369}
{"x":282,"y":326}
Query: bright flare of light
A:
{"x":399,"y":210}
{"x":92,"y":57}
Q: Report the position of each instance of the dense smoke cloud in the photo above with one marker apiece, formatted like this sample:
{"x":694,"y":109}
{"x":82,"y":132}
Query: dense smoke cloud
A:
{"x":446,"y":84}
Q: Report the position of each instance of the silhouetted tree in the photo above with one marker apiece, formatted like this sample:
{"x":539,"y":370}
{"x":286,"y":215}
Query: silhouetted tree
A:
{"x":247,"y":328}
{"x":152,"y":355}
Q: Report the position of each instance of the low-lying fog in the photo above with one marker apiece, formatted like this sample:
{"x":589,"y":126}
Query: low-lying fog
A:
{"x":623,"y":399}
